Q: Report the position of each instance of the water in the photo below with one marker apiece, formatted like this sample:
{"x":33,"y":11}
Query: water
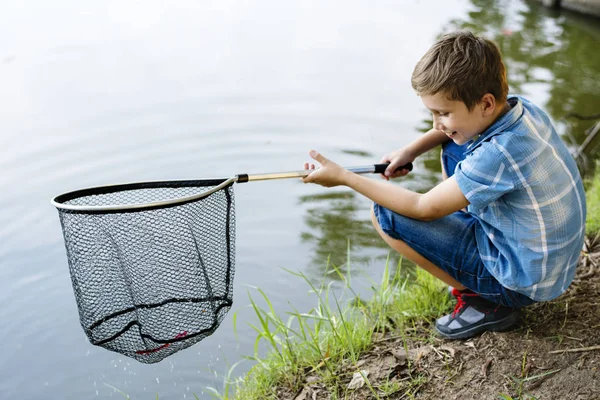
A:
{"x":116,"y":92}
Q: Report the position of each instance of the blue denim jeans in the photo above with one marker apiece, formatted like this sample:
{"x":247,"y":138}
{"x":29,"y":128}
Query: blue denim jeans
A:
{"x":449,"y":243}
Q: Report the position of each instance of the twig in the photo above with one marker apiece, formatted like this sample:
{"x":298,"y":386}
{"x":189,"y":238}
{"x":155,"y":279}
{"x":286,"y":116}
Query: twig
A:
{"x":566,"y":314}
{"x":594,"y":240}
{"x":578,"y":350}
{"x":386,"y":339}
{"x":591,"y":133}
{"x":573,"y":338}
{"x":583,"y":117}
{"x":591,"y":272}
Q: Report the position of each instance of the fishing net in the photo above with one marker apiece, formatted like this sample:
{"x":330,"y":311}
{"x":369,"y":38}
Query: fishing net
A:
{"x":152,"y":264}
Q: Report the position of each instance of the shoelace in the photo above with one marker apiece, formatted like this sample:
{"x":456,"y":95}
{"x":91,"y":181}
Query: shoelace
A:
{"x":460,"y":303}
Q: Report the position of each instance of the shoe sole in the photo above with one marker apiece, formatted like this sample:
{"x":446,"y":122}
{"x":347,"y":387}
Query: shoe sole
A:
{"x":495,"y":326}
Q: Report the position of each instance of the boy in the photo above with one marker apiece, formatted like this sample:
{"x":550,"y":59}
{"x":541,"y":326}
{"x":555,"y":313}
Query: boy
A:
{"x":506,"y":225}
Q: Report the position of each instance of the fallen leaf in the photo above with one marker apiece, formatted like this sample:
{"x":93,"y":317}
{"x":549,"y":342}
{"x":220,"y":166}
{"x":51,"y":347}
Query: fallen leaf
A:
{"x":358,"y":379}
{"x":413,"y":354}
{"x":449,"y":349}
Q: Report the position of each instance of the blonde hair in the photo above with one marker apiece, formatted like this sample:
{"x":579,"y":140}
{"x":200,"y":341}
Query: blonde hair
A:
{"x":462,"y":66}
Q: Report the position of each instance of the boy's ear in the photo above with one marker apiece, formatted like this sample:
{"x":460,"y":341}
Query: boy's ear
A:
{"x":487,"y":104}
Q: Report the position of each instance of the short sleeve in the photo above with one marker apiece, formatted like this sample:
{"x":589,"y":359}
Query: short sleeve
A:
{"x":484,"y":177}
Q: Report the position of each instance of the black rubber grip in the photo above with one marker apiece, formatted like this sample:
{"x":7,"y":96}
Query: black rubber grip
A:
{"x":380,"y":168}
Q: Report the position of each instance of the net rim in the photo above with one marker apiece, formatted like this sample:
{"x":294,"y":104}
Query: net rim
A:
{"x":59,"y":200}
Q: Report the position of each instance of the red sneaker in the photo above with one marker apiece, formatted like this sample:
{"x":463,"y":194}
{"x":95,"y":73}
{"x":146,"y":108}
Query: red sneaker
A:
{"x":474,"y":315}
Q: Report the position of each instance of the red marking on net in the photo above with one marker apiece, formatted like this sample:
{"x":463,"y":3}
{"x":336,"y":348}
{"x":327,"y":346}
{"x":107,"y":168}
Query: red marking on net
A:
{"x":164,"y":346}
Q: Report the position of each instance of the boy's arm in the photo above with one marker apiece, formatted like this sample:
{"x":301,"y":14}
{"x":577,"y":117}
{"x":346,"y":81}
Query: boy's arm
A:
{"x":442,"y":200}
{"x":432,"y":138}
{"x":408,"y":153}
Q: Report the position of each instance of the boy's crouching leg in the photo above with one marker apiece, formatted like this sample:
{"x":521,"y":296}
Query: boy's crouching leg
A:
{"x":407,"y":252}
{"x":473,"y":314}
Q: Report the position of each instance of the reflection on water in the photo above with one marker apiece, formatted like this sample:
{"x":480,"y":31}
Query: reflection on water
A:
{"x":361,"y":153}
{"x":338,"y":226}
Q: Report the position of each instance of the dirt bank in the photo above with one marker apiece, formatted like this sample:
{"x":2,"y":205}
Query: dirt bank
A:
{"x":555,"y":354}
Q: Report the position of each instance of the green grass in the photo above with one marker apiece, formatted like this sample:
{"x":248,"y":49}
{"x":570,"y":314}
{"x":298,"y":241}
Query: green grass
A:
{"x":593,"y":204}
{"x":335,"y":332}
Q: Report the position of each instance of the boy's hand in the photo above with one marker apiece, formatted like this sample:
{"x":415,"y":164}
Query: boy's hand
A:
{"x":396,"y":159}
{"x":329,"y":174}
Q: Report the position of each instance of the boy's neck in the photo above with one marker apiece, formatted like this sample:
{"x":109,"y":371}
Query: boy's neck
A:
{"x":506,"y":108}
{"x":499,"y":113}
{"x":495,"y":117}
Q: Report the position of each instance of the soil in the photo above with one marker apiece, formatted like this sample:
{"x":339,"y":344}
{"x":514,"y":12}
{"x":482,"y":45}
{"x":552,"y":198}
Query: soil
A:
{"x":554,"y":354}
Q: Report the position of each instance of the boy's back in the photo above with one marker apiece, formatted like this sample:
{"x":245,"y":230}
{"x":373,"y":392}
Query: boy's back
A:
{"x":524,"y":187}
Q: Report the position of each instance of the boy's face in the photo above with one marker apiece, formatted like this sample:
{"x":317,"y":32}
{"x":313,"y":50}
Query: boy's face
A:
{"x":454,"y":119}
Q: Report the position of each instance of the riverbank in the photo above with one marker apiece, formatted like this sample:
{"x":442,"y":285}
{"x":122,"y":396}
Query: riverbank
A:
{"x":386,"y":348}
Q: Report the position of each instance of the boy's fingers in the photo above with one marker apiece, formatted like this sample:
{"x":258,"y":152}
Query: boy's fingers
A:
{"x":315,"y":155}
{"x":390,"y":170}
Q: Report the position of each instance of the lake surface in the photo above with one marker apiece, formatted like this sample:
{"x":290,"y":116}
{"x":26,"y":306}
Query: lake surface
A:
{"x":116,"y":92}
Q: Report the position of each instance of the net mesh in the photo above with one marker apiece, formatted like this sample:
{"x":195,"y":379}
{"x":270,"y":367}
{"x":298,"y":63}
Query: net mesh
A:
{"x":151,"y":282}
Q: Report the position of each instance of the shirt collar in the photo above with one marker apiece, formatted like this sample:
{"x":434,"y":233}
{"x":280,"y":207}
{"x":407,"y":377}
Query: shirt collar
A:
{"x":501,"y":124}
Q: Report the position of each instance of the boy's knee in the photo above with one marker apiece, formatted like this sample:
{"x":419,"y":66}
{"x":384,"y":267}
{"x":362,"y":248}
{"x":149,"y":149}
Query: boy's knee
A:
{"x":375,"y":222}
{"x":374,"y":217}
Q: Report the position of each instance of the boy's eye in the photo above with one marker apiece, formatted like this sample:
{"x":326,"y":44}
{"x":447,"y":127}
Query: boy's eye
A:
{"x":443,"y":114}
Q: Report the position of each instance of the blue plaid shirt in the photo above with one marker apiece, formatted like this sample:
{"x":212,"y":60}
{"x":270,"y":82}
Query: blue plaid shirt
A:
{"x":526,"y":193}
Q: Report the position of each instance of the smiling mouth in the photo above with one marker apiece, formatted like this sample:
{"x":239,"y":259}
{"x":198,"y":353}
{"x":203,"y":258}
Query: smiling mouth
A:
{"x":450,"y":134}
